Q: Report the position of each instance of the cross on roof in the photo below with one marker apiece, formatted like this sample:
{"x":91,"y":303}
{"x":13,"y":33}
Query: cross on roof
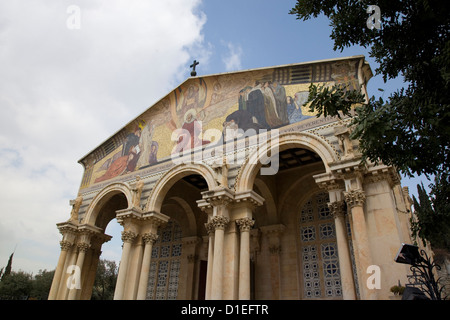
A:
{"x":193,"y":65}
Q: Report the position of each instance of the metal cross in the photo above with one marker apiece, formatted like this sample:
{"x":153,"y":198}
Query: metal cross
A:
{"x":193,"y":72}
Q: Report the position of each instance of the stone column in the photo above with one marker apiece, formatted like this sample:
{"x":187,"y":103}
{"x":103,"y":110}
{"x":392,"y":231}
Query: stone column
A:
{"x":82,"y":249}
{"x":68,"y":231}
{"x":149,"y":239}
{"x":210,"y":230}
{"x":65,"y":247}
{"x":245,"y":224}
{"x":127,"y":238}
{"x":345,"y":263}
{"x":219,"y":223}
{"x":355,"y":200}
{"x":218,"y":200}
{"x":71,"y":260}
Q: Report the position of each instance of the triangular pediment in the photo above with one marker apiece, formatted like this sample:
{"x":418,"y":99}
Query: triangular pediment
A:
{"x":202,"y":106}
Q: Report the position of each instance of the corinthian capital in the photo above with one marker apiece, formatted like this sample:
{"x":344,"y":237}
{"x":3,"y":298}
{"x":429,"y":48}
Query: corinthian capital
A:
{"x":209,"y":228}
{"x":150,"y":238}
{"x":355,"y":198}
{"x":219,"y":222}
{"x":83,"y":246}
{"x":337,"y":208}
{"x":128,"y":236}
{"x":65,"y":245}
{"x":245,"y":224}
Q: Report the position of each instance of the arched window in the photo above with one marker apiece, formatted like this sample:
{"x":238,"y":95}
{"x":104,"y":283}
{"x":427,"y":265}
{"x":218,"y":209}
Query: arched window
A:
{"x":318,"y":249}
{"x":165,"y":263}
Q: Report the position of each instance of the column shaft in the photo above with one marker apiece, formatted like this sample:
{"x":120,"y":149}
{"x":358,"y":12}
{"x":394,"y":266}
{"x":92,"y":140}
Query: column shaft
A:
{"x":345,"y":263}
{"x":83,"y":247}
{"x":210,"y":230}
{"x":356,"y":198}
{"x":245,"y":225}
{"x":217,"y":277}
{"x":149,"y":240}
{"x":127,"y":237}
{"x":65,"y":246}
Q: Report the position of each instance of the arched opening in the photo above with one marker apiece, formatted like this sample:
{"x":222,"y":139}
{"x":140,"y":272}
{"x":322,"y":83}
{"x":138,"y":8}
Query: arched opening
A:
{"x":175,"y":267}
{"x":277,"y":222}
{"x":104,"y":247}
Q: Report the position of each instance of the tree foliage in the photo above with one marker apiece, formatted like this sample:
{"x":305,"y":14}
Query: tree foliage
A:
{"x":16,"y":286}
{"x":432,"y":214}
{"x":105,"y":280}
{"x":410,"y":130}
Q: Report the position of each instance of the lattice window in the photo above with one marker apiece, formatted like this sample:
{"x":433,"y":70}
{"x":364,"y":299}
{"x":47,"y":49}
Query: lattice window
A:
{"x":165,"y":264}
{"x":319,"y":255}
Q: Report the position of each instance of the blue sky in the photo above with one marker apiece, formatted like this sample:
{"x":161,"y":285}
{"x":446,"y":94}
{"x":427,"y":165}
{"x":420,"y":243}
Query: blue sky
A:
{"x":64,"y":91}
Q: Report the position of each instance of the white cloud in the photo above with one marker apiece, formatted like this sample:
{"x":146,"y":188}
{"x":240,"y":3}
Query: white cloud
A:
{"x":232,"y":60}
{"x":63,"y":92}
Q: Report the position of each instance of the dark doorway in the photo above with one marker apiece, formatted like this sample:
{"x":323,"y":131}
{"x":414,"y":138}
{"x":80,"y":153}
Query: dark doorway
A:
{"x":202,"y":280}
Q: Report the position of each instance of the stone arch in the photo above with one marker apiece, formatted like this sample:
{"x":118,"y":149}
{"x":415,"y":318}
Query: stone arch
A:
{"x":168,"y":179}
{"x":190,"y":216}
{"x":299,"y":199}
{"x":271,"y":208}
{"x":251,"y":166}
{"x":93,"y":211}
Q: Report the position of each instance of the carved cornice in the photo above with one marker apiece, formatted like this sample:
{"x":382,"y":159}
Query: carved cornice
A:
{"x":204,"y":205}
{"x":383,"y":173}
{"x":329,"y":182}
{"x":219,"y":196}
{"x":249,"y":197}
{"x":348,"y":169}
{"x":355,"y":198}
{"x":137,"y":215}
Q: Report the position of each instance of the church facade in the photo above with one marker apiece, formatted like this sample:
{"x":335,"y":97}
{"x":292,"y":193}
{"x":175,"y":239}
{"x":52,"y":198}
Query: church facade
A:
{"x":228,"y":188}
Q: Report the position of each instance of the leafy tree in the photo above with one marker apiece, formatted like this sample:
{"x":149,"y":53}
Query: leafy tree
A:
{"x":432,"y":221}
{"x":105,"y":280}
{"x":410,"y":130}
{"x":7,"y":268}
{"x":16,"y":286}
{"x":41,"y":284}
